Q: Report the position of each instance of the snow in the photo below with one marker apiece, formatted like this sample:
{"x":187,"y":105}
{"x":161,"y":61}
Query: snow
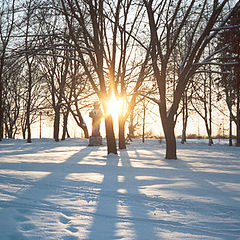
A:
{"x":67,"y":190}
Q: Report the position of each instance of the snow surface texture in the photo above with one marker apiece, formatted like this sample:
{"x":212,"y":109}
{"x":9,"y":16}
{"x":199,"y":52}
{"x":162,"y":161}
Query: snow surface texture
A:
{"x":69,"y":191}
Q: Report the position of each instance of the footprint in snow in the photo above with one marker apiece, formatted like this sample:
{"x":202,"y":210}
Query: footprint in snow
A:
{"x":70,"y":238}
{"x":28,"y":227}
{"x":21,"y":218}
{"x":72,"y":229}
{"x":23,"y":210}
{"x":64,"y":220}
{"x":67,"y":213}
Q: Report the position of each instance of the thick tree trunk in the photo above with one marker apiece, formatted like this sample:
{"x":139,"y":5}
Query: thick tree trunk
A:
{"x":56,"y":124}
{"x":171,"y":146}
{"x":24,"y":133}
{"x":121,"y":133}
{"x":110,"y":136}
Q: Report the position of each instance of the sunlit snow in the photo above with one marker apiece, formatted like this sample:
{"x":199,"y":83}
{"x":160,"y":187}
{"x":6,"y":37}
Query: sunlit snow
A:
{"x":67,"y":190}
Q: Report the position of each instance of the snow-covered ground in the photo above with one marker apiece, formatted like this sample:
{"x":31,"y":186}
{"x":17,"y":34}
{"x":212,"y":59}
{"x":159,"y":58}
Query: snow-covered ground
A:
{"x":67,"y":190}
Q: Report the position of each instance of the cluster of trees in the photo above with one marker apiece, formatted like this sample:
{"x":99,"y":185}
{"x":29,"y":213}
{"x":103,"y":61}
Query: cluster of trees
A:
{"x":56,"y":57}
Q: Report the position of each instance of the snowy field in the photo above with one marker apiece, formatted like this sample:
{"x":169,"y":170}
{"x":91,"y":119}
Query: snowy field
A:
{"x":69,"y":191}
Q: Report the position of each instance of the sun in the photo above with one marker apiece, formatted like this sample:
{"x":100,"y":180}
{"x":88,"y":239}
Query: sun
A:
{"x":114,"y":106}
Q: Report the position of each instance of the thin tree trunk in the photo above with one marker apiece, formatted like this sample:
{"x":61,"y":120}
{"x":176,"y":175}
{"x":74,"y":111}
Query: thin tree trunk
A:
{"x":29,"y":140}
{"x":230,"y":130}
{"x":121,"y":133}
{"x":82,"y":123}
{"x":24,"y":133}
{"x":7,"y":130}
{"x":1,"y":99}
{"x":144,"y":120}
{"x":68,"y":135}
{"x":210,"y":110}
{"x":184,"y":119}
{"x":238,"y":119}
{"x":131,"y":128}
{"x":65,"y":122}
{"x":85,"y":131}
{"x":56,"y":124}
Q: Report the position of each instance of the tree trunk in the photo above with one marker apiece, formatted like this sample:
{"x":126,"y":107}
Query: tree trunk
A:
{"x":29,"y":99}
{"x":210,"y":110}
{"x":82,"y":124}
{"x":24,"y":133}
{"x":10,"y":132}
{"x":65,"y":122}
{"x":85,"y":131}
{"x":121,"y":133}
{"x":110,"y":136}
{"x":29,"y":140}
{"x":1,"y":98}
{"x":144,"y":120}
{"x":171,"y":146}
{"x":56,"y":123}
{"x":184,"y":119}
{"x":210,"y":141}
{"x":238,"y":117}
{"x":68,"y":135}
{"x":131,"y":127}
{"x":230,"y":130}
{"x":79,"y":120}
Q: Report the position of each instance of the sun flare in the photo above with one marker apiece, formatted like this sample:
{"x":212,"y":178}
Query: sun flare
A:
{"x":114,"y":106}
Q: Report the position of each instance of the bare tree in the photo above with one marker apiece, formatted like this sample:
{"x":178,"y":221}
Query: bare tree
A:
{"x":12,"y":95}
{"x":229,"y":62}
{"x":166,"y":23}
{"x":202,"y":100}
{"x":77,"y":94}
{"x":7,"y":21}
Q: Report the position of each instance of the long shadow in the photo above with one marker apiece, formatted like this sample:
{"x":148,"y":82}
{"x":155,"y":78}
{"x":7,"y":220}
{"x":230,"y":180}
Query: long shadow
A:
{"x":106,"y":216}
{"x":104,"y":222}
{"x":179,"y":170}
{"x":140,"y":219}
{"x":20,"y":147}
{"x":202,"y":179}
{"x":223,"y":209}
{"x":26,"y":203}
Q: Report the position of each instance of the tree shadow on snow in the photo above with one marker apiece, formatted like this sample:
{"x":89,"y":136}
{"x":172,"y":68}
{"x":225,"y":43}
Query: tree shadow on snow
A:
{"x":121,"y":211}
{"x":208,"y":200}
{"x":33,"y":198}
